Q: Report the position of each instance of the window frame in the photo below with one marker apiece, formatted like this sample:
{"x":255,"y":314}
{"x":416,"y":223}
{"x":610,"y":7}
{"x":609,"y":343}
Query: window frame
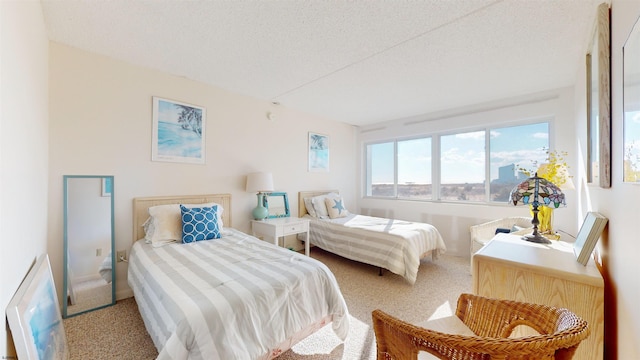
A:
{"x":436,"y":157}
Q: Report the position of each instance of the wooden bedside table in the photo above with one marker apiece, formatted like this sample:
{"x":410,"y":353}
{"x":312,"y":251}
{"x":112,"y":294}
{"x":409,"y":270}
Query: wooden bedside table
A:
{"x":279,"y":227}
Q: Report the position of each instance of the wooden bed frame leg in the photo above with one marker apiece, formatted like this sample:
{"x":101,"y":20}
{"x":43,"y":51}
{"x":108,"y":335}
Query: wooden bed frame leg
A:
{"x":380,"y":271}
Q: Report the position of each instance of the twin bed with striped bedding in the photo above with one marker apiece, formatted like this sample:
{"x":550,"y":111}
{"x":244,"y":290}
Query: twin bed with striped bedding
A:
{"x":235,"y":297}
{"x":395,"y":245}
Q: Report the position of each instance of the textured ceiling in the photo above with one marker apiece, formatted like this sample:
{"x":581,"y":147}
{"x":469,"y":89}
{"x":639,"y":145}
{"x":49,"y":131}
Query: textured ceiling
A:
{"x":357,"y":61}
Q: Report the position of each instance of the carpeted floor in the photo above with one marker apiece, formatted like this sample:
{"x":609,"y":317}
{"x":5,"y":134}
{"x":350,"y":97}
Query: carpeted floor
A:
{"x":118,"y":332}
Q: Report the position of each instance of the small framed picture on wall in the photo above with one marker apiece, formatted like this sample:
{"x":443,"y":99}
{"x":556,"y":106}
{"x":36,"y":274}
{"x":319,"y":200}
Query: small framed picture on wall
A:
{"x":318,"y":152}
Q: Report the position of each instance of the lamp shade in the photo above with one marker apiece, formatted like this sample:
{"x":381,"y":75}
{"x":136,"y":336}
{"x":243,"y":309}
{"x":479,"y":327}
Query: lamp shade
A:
{"x":259,"y":182}
{"x":537,"y":191}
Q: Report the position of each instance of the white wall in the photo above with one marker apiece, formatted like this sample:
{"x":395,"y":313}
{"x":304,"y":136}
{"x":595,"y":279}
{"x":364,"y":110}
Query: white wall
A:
{"x":619,"y":204}
{"x":23,"y":147}
{"x":453,"y":219}
{"x":101,"y":112}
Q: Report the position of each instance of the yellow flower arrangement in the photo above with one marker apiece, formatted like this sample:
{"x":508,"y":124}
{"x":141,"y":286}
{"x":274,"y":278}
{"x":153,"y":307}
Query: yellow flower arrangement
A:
{"x":556,"y":170}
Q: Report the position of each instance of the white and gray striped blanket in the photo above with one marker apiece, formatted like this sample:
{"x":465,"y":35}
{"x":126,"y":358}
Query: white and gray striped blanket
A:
{"x":395,"y":245}
{"x":237,"y":297}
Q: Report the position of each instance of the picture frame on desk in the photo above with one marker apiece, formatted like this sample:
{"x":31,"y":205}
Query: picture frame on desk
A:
{"x":588,"y":236}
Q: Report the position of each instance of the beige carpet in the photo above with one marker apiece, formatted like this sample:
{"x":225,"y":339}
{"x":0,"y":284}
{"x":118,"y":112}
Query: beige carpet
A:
{"x":90,"y":295}
{"x":117,"y":332}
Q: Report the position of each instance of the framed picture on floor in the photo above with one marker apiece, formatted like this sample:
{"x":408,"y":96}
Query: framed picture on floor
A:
{"x":34,"y":316}
{"x":318,"y":152}
{"x":178,"y":132}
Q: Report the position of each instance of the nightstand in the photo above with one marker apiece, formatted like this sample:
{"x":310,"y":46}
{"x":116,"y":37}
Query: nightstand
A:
{"x":278,"y":227}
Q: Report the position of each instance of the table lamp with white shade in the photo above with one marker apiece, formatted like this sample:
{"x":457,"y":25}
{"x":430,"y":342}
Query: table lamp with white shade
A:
{"x":261,"y":183}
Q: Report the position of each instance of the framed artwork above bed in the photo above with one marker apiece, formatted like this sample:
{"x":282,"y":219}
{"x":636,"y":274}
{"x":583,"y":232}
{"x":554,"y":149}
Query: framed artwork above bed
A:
{"x":178,"y":132}
{"x":318,"y":152}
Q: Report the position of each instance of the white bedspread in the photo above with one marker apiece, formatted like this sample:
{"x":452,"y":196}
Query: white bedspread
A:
{"x":237,"y":297}
{"x":395,"y":245}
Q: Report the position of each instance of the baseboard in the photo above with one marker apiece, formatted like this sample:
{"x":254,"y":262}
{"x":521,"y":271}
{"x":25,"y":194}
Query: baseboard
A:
{"x":124,"y":294}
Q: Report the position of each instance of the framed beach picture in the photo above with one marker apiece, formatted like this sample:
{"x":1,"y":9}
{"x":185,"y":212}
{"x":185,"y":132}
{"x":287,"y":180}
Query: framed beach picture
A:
{"x":34,"y":316}
{"x":178,"y":132}
{"x":318,"y":152}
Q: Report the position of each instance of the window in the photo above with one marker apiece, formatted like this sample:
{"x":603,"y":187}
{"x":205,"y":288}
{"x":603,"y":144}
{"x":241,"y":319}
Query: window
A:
{"x":462,"y":170}
{"x":381,"y":169}
{"x":512,"y":150}
{"x":459,"y":166}
{"x":414,"y":168}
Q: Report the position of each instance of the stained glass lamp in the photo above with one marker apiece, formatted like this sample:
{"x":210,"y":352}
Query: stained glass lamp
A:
{"x":537,"y":192}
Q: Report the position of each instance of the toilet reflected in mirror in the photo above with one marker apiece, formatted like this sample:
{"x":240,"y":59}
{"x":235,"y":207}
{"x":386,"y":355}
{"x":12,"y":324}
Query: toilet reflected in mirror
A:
{"x":89,"y":258}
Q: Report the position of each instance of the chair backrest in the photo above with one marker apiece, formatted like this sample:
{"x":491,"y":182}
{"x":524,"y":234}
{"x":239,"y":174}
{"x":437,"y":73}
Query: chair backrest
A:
{"x":492,"y":320}
{"x":485,"y":231}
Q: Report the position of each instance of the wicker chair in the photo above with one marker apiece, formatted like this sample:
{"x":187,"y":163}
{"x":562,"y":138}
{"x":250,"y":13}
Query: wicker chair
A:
{"x":480,"y":234}
{"x":493,"y":321}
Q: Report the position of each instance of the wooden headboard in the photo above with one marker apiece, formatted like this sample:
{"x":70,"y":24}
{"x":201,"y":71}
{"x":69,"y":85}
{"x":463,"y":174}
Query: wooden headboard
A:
{"x":141,"y":207}
{"x":302,"y":210}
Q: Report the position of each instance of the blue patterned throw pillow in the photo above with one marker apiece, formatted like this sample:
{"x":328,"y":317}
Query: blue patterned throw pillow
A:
{"x":199,"y":224}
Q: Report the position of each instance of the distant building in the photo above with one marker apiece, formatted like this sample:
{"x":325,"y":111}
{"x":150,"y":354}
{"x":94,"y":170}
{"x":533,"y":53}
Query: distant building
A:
{"x":507,"y":175}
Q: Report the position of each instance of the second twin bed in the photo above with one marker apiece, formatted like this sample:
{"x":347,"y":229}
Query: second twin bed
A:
{"x":395,"y":245}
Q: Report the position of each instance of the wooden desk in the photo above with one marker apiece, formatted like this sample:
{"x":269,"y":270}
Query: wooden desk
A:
{"x":510,"y":268}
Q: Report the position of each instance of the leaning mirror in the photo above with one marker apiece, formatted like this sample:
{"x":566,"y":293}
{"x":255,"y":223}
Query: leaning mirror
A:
{"x":631,"y":79}
{"x":89,"y":280}
{"x":278,"y":204}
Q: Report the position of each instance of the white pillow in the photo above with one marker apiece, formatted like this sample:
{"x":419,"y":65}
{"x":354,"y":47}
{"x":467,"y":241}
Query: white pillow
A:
{"x":164,"y":225}
{"x":149,"y":229}
{"x":309,"y":206}
{"x":335,"y":207}
{"x":319,"y":205}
